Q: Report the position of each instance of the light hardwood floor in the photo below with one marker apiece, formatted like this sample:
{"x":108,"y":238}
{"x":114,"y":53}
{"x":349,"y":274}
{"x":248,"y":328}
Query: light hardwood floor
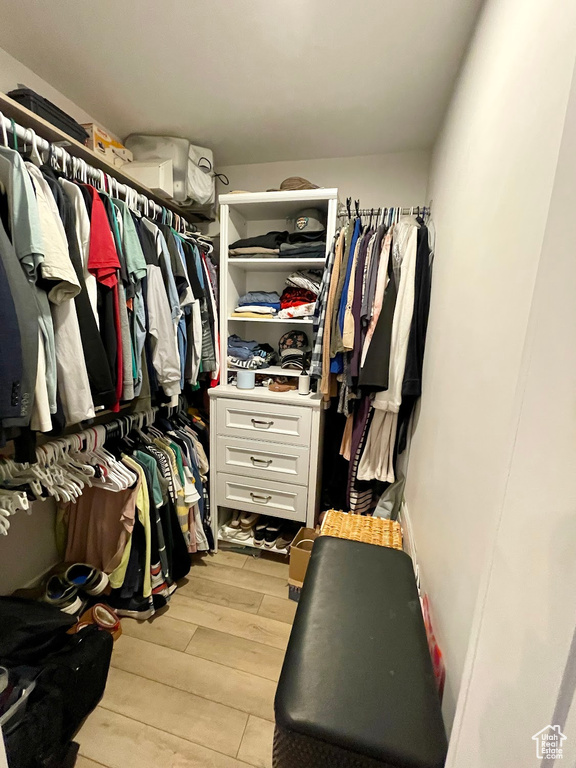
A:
{"x":194,"y":687}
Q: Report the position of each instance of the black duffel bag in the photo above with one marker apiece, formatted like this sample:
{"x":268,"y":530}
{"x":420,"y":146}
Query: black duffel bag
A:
{"x":69,"y":674}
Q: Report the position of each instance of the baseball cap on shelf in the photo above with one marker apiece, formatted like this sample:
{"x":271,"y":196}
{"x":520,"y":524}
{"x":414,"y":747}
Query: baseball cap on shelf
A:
{"x":294,"y":350}
{"x":308,"y":220}
{"x":294,"y":183}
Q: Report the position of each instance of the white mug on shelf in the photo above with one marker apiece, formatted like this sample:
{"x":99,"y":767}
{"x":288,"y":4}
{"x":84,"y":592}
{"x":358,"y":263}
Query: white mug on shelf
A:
{"x":245,"y":379}
{"x":303,"y":384}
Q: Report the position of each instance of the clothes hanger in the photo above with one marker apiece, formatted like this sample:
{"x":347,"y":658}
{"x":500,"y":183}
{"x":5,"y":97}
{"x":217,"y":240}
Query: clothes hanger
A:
{"x":4,"y":131}
{"x":14,"y":135}
{"x":34,"y":155}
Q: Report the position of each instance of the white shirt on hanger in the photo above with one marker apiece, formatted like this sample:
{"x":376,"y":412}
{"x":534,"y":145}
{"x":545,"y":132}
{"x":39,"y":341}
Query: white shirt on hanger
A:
{"x":165,"y":355}
{"x":83,"y":233}
{"x":405,"y":237}
{"x":73,"y":384}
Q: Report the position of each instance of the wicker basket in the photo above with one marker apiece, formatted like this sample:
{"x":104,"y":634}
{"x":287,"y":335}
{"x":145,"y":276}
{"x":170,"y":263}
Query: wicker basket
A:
{"x":371,"y":530}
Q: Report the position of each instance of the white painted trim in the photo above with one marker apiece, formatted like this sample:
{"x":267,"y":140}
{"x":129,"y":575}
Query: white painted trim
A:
{"x":296,"y":196}
{"x":407,"y":531}
{"x":3,"y":760}
{"x":408,"y":541}
{"x":37,"y":579}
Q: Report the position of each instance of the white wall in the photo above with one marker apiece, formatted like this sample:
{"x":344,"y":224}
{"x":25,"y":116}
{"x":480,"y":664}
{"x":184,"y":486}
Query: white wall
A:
{"x":491,"y":180}
{"x":13,"y":72}
{"x":528,"y":613}
{"x":377,"y":180}
{"x":29,"y":549}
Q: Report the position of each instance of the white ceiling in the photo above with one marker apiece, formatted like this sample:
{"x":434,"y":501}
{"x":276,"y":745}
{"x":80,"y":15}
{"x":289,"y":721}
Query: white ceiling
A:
{"x":256,"y":80}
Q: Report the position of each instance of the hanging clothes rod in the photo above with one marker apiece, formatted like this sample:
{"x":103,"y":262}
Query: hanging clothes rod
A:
{"x":412,"y":211}
{"x":81,"y":169}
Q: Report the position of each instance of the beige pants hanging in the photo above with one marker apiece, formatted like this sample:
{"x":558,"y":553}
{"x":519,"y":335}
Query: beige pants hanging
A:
{"x":377,"y":460}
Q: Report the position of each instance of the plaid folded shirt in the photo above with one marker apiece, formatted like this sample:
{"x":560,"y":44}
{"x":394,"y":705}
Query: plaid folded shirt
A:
{"x":320,"y":313}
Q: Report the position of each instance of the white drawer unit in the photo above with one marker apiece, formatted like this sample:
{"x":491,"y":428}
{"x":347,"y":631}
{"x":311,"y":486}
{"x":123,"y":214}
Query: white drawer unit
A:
{"x":269,"y":461}
{"x":265,"y":446}
{"x":264,"y":421}
{"x":263,"y":496}
{"x":270,"y":469}
{"x":266,"y":449}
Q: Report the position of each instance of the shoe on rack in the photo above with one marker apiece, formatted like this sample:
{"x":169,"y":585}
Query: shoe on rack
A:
{"x":245,"y":534}
{"x":286,"y":537}
{"x":85,"y":577}
{"x":234,"y":521}
{"x":260,"y":531}
{"x":271,"y":533}
{"x":248,"y":520}
{"x":63,"y":595}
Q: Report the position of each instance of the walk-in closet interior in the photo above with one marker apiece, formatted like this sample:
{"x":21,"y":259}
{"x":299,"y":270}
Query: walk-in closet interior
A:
{"x":287,"y":379}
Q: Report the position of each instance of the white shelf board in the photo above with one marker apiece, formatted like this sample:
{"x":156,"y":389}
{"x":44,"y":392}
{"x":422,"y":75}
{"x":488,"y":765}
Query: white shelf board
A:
{"x":272,"y":370}
{"x":250,"y":543}
{"x":273,"y":320}
{"x":276,"y":264}
{"x":259,"y":206}
{"x":312,"y":400}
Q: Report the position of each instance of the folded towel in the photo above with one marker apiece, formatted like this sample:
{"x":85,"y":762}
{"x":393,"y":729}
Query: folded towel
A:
{"x":261,"y":309}
{"x":254,"y":363}
{"x":252,"y":314}
{"x":259,"y":297}
{"x":302,"y":310}
{"x":235,"y":341}
{"x":255,"y":251}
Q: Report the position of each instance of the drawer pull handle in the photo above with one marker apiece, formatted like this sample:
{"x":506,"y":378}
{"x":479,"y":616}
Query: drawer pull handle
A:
{"x":264,"y":462}
{"x":260,"y":499}
{"x":264,"y":424}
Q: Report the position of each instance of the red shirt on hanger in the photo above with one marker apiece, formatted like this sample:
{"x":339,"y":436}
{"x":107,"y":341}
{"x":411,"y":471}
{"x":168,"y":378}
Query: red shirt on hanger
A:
{"x":104,"y":264}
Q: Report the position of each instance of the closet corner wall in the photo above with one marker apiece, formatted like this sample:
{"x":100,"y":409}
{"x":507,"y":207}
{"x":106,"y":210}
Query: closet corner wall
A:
{"x":266,"y":447}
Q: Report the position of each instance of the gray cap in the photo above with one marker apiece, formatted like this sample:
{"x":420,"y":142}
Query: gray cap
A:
{"x":309,"y":220}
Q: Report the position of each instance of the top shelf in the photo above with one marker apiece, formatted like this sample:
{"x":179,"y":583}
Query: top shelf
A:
{"x":262,"y":206}
{"x":51,"y":133}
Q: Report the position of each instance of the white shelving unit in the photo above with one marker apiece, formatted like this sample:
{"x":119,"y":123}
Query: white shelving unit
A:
{"x":265,"y":446}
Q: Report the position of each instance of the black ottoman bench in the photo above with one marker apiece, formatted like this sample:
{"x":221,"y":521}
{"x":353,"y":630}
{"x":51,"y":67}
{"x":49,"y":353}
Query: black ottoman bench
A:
{"x":357,"y":687}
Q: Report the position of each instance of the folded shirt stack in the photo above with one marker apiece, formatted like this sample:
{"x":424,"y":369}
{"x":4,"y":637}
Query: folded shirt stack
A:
{"x":314,"y":250}
{"x":259,"y":247}
{"x":254,"y":252}
{"x":258,"y":304}
{"x":299,"y":296}
{"x":249,"y":354}
{"x":309,"y":279}
{"x":307,"y":244}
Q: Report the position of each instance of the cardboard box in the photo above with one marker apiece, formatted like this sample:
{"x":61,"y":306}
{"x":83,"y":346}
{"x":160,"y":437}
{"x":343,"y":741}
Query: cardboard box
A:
{"x":102,"y":143}
{"x":300,"y":553}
